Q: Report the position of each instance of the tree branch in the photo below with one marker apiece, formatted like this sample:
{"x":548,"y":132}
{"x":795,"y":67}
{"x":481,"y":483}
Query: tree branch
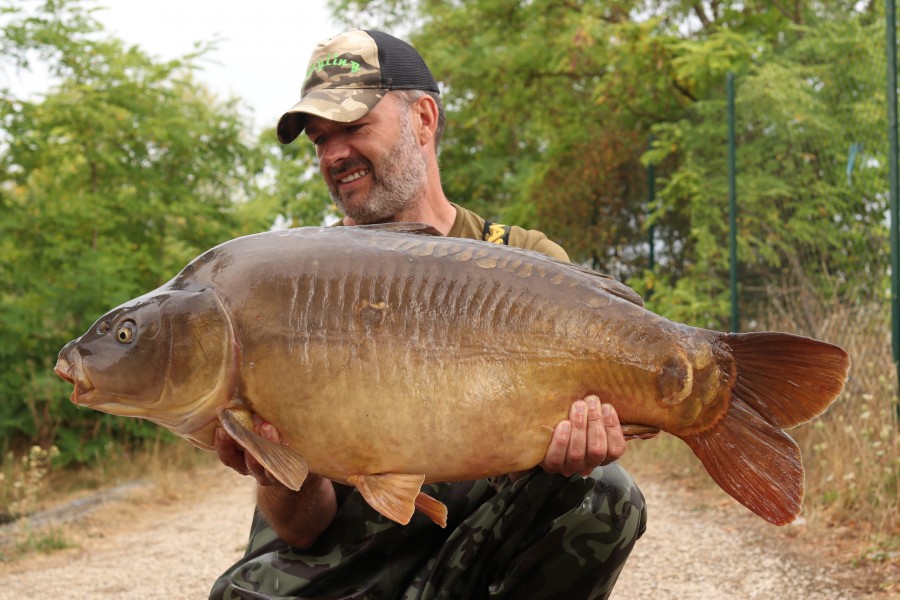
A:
{"x":684,"y":91}
{"x":701,"y":14}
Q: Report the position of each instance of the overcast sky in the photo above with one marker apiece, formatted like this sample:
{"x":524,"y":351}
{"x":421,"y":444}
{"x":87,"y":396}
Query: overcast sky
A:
{"x":264,"y":48}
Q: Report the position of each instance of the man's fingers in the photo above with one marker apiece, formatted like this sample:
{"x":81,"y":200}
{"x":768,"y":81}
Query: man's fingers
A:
{"x":229,"y":452}
{"x":269,"y":432}
{"x":259,"y":472}
{"x":615,"y":437}
{"x":232,"y":455}
{"x":555,"y":459}
{"x":596,"y":448}
{"x":578,"y":416}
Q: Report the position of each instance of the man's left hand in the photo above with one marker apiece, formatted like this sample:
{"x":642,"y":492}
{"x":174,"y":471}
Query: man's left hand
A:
{"x":591,"y":437}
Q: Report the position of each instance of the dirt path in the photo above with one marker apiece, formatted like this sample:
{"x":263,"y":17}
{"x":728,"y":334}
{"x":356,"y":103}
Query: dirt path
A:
{"x":700,"y":545}
{"x":144,"y":548}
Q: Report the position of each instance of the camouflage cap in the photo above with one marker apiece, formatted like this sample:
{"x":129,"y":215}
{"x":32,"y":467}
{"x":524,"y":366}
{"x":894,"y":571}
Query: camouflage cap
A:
{"x":349,"y":74}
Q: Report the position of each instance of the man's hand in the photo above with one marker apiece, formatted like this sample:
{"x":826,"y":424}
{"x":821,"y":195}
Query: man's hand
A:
{"x":297,"y":517}
{"x":592,"y":436}
{"x":232,"y":455}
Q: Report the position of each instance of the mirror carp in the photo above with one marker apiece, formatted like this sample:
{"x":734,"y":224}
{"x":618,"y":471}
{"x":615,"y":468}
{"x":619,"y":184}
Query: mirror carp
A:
{"x":388,"y":357}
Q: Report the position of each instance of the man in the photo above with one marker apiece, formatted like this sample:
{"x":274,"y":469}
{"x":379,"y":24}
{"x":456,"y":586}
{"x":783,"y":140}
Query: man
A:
{"x":563,"y":530}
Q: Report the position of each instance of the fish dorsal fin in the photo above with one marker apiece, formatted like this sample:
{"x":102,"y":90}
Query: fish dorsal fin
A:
{"x":613,"y":286}
{"x":414,"y":228}
{"x":392,"y":494}
{"x":284,"y":464}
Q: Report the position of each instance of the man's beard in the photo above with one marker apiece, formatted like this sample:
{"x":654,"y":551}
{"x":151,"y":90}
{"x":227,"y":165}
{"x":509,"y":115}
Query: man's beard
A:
{"x":398,"y":178}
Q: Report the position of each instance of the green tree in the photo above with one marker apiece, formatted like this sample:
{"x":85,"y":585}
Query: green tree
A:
{"x":111,"y":181}
{"x":289,"y":188}
{"x":552,"y":105}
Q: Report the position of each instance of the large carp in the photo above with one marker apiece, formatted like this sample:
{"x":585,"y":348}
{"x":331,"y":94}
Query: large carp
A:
{"x":387,"y":356}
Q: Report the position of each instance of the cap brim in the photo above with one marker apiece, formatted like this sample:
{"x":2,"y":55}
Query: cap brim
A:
{"x":342,"y":105}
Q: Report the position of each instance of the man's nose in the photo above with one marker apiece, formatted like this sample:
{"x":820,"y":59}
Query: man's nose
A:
{"x":333,"y":150}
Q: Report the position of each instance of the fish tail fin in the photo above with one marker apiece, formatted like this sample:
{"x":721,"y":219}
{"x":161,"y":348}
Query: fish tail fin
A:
{"x":781,"y":380}
{"x":788,"y":379}
{"x":757,"y":464}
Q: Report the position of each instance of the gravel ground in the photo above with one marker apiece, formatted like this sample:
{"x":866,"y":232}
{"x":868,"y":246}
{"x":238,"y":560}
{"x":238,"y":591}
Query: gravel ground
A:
{"x":699,"y":545}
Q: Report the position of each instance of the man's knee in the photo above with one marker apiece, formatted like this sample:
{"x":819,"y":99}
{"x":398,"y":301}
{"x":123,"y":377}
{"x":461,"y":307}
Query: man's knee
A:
{"x":615,"y":499}
{"x":605,"y":505}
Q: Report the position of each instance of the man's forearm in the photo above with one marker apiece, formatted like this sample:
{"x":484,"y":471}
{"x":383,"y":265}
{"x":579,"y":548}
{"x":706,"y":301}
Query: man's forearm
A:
{"x":299,"y":518}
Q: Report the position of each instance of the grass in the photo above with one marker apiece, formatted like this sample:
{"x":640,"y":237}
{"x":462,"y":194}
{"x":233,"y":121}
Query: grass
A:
{"x":23,"y":481}
{"x":851,"y":454}
{"x":29,"y":484}
{"x":29,"y":539}
{"x":852,"y":459}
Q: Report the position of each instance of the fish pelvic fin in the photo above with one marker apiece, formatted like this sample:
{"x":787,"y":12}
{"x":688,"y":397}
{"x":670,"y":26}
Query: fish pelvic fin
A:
{"x":284,"y":464}
{"x":394,"y":495}
{"x":787,"y":379}
{"x":433,"y":509}
{"x":756,"y":463}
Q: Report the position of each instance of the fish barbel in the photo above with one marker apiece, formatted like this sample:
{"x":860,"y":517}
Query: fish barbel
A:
{"x":388,"y":357}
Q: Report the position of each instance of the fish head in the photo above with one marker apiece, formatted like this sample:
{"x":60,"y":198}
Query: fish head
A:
{"x":167,"y":357}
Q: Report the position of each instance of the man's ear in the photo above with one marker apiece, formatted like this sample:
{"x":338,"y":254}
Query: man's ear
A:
{"x":425,"y":111}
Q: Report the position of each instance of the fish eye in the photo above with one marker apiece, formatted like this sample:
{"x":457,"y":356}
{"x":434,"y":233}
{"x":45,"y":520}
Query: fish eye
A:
{"x":125,"y":332}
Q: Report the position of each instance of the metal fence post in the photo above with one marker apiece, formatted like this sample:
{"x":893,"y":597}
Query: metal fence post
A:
{"x":891,"y":28}
{"x":732,"y":206}
{"x":651,"y":208}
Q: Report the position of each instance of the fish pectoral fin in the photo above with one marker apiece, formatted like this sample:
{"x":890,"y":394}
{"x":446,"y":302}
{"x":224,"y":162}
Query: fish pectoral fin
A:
{"x":433,"y":509}
{"x":394,"y":495}
{"x":284,"y":464}
{"x":639,"y":432}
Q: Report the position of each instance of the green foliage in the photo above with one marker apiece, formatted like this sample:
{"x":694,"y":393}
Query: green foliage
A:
{"x":290,"y":186}
{"x":111,"y":182}
{"x":127,"y":168}
{"x":552,"y":107}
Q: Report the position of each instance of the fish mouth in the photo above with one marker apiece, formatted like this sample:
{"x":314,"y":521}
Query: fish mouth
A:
{"x":73,"y":372}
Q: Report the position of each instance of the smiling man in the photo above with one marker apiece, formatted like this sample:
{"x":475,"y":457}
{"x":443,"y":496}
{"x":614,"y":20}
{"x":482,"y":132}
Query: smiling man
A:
{"x":374,"y":173}
{"x":561,"y":530}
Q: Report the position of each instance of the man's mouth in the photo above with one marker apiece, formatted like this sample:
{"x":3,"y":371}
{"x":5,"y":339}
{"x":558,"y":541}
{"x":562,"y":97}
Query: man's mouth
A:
{"x":354,"y":176}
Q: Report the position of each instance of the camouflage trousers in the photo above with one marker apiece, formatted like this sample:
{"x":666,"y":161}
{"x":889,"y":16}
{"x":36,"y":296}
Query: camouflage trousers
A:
{"x":542,"y":536}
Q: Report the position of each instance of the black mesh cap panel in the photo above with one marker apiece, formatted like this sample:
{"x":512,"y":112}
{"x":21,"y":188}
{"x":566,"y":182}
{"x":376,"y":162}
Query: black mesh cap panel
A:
{"x":402,"y":68}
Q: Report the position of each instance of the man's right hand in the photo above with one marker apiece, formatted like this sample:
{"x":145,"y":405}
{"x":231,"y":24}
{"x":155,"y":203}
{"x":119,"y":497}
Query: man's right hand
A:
{"x":297,"y":517}
{"x":232,"y":455}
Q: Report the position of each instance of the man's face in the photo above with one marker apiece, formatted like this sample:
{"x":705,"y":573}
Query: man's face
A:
{"x":374,"y":167}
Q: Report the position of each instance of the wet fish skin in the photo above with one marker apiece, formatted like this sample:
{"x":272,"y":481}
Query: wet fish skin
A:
{"x":386,"y":359}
